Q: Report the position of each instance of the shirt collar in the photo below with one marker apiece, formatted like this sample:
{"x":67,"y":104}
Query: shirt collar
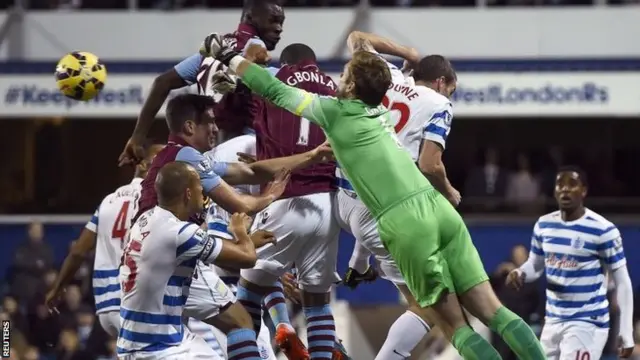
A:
{"x":308,"y":64}
{"x":247,"y":29}
{"x":177,"y":140}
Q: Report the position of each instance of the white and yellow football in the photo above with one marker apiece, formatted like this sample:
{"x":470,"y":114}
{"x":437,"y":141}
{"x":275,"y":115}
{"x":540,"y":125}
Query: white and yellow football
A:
{"x":80,"y":75}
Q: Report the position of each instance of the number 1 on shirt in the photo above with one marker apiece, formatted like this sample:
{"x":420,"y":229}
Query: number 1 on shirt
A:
{"x":303,"y":137}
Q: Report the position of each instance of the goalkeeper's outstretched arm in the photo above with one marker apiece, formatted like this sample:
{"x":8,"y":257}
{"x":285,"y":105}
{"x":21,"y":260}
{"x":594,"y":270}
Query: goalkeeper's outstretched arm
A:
{"x":300,"y":102}
{"x":318,"y":109}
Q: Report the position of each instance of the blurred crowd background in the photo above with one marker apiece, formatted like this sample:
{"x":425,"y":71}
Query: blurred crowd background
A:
{"x":37,"y":334}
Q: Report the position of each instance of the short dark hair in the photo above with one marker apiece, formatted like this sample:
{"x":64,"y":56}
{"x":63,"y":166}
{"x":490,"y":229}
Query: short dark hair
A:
{"x":296,"y":53}
{"x":371,"y":77}
{"x":258,"y":4}
{"x":187,"y":107}
{"x":432,"y":67}
{"x":576,"y":169}
{"x":172,"y":180}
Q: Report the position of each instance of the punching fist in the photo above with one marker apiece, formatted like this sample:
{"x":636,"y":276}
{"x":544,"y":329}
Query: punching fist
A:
{"x":215,"y":46}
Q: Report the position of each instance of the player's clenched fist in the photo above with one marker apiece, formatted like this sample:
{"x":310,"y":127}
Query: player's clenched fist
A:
{"x":222,"y":82}
{"x":323,"y":153}
{"x":257,"y":53}
{"x":132,"y":154}
{"x":290,"y":288}
{"x":239,"y":223}
{"x":261,"y":238}
{"x":454,"y":197}
{"x":211,"y":44}
{"x":626,"y":352}
{"x":215,"y":46}
{"x":515,"y":279}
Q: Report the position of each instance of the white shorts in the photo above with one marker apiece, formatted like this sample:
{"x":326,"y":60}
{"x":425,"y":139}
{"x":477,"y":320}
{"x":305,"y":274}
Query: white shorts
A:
{"x":207,"y":294}
{"x":192,"y":347}
{"x":307,"y":236}
{"x":110,"y":322}
{"x":264,"y":343}
{"x":573,"y":340}
{"x":355,"y":218}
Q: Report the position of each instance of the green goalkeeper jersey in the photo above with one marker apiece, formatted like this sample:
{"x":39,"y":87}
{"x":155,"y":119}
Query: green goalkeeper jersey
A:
{"x":380,"y":170}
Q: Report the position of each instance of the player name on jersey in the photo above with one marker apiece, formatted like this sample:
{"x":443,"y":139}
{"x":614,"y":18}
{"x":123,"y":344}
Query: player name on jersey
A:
{"x":311,"y":76}
{"x":407,"y":90}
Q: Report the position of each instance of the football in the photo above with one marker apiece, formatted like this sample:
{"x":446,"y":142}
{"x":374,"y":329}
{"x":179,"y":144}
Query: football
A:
{"x":80,"y":75}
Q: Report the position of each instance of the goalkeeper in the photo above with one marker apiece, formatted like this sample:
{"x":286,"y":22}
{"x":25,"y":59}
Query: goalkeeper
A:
{"x":422,"y":231}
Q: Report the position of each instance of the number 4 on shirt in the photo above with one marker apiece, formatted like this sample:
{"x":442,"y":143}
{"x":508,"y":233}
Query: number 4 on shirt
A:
{"x":119,"y":229}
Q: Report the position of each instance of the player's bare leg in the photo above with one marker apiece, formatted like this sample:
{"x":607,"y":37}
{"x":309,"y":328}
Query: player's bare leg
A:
{"x":251,"y":295}
{"x":233,"y":317}
{"x":483,"y":303}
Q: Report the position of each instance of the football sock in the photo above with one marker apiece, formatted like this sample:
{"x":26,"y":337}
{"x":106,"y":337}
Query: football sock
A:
{"x":405,"y":333}
{"x":517,"y":334}
{"x":359,"y":258}
{"x":276,"y":305}
{"x":321,"y":332}
{"x":241,"y":344}
{"x":472,"y":346}
{"x":252,"y":302}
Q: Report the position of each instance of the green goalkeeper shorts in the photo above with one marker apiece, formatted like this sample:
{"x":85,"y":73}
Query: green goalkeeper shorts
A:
{"x":432,"y":247}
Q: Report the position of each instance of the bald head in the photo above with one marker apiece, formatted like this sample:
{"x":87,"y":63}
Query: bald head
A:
{"x":173,"y":181}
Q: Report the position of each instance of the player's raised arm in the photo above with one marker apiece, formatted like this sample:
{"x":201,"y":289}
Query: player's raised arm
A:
{"x":362,"y":41}
{"x":181,"y":75}
{"x":223,"y":194}
{"x":263,"y":171}
{"x":85,"y":243}
{"x":318,"y":109}
{"x":611,"y":253}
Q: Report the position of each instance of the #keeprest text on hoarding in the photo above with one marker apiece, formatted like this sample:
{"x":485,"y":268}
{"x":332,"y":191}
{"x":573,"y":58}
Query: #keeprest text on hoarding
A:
{"x":477,"y":95}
